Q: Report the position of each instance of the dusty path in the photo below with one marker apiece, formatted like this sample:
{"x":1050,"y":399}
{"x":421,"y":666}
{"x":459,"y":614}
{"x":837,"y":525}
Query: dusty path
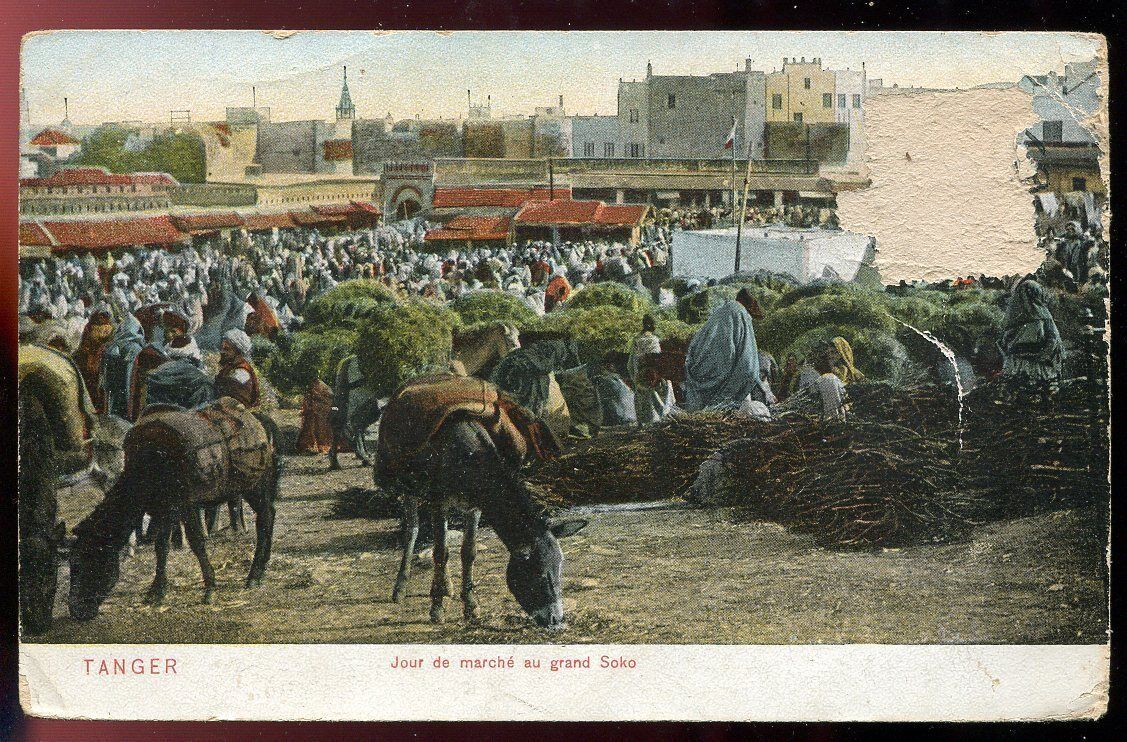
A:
{"x":664,"y":576}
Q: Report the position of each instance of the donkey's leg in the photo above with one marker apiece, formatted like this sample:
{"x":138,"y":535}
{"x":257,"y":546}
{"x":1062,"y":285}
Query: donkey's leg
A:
{"x":409,"y":525}
{"x":177,"y":533}
{"x":236,"y":517}
{"x":334,"y":462}
{"x":264,"y":511}
{"x":161,"y":529}
{"x":211,"y":515}
{"x":193,"y":526}
{"x":440,"y":586}
{"x":469,"y":552}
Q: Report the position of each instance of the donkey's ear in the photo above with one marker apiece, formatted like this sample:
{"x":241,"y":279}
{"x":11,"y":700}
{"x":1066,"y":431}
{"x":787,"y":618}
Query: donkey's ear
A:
{"x":566,"y":528}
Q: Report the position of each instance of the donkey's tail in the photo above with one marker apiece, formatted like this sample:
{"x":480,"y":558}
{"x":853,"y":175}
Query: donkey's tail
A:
{"x":274,"y":436}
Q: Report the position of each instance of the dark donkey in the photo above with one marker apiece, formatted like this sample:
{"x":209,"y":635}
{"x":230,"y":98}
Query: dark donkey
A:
{"x":470,"y":462}
{"x":355,"y":409}
{"x":175,"y":462}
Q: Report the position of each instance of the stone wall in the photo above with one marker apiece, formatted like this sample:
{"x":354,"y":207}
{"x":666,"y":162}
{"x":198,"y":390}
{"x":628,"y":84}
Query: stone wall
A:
{"x":290,"y":146}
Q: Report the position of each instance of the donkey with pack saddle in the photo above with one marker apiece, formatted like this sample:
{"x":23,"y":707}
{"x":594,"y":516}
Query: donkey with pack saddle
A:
{"x":448,"y":440}
{"x":177,"y":461}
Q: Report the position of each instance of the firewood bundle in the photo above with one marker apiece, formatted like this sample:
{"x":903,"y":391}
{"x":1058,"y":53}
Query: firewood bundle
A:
{"x":855,"y":485}
{"x":925,"y":408}
{"x":657,"y":462}
{"x":1027,"y":456}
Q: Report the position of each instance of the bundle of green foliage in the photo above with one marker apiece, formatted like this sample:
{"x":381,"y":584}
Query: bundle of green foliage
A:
{"x":348,"y":304}
{"x":877,"y":354}
{"x":397,"y":342}
{"x":970,"y":325}
{"x":675,"y":329}
{"x":863,"y":310}
{"x":303,"y":356}
{"x":975,"y":295}
{"x":596,"y":331}
{"x":610,"y":294}
{"x":482,"y":308}
{"x":918,"y":311}
{"x":262,"y":353}
{"x":819,"y":287}
{"x":694,"y":308}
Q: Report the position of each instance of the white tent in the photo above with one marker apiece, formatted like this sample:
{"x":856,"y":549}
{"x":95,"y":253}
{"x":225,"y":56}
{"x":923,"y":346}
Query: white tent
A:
{"x":804,"y":254}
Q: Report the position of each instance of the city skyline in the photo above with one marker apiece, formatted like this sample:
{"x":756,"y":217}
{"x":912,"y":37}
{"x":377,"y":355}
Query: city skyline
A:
{"x":412,"y":73}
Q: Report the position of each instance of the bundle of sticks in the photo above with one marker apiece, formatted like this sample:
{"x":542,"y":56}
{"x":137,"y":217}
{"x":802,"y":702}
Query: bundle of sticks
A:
{"x":1029,"y":456}
{"x":859,"y":485}
{"x":657,"y":462}
{"x":926,"y":408}
{"x":901,"y":471}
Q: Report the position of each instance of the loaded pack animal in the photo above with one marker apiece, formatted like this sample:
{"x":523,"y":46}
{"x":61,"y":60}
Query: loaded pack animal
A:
{"x":177,"y":461}
{"x":448,"y":440}
{"x":56,"y":418}
{"x":479,"y":351}
{"x":528,"y":374}
{"x":355,"y":409}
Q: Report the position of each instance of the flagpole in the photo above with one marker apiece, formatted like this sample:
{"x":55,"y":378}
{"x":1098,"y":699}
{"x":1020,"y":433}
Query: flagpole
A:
{"x":737,"y":270}
{"x":733,"y":166}
{"x":743,"y":203}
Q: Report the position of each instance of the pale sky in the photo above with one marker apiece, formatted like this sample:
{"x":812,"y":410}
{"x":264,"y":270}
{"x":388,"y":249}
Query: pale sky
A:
{"x":131,"y":75}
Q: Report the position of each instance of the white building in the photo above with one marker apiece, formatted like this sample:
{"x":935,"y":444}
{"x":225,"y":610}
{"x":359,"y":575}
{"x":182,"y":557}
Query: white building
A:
{"x":55,"y":143}
{"x":850,"y":90}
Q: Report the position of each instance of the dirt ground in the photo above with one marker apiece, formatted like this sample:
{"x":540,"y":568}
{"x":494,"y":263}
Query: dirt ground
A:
{"x":670,"y":575}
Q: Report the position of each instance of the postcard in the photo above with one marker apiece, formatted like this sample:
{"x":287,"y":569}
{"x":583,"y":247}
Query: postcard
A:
{"x":564,"y":375}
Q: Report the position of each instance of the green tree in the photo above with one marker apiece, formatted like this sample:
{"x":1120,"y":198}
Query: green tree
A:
{"x":105,"y":147}
{"x":178,"y":153}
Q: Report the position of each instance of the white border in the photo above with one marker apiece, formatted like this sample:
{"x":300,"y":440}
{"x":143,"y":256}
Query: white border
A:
{"x":678,"y":682}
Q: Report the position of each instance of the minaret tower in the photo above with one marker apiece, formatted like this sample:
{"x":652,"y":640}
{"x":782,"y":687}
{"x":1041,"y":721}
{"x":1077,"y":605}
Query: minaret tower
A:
{"x":345,"y":109}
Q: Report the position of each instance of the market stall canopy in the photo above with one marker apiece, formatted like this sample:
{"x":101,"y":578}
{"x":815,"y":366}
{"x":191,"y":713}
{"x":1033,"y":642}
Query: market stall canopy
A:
{"x":207,"y":223}
{"x":472,"y":229}
{"x":588,"y":213}
{"x":266,"y":222}
{"x":109,"y":234}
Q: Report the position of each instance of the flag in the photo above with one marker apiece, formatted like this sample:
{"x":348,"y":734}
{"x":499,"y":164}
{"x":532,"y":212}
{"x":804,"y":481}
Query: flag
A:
{"x":731,"y":140}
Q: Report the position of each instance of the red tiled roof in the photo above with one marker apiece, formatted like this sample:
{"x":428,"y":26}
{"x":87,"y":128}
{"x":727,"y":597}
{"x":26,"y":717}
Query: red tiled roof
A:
{"x":80,"y":176}
{"x":473,"y":228}
{"x":560,"y":211}
{"x":336,"y":209}
{"x":566,"y":211}
{"x":338,"y":149}
{"x":368,"y":207}
{"x":450,"y":198}
{"x":352,"y":208}
{"x":258,"y":222}
{"x":33,"y":234}
{"x":107,"y":234}
{"x":53,"y":137}
{"x":312,"y":218}
{"x":625,"y":215}
{"x":200,"y":223}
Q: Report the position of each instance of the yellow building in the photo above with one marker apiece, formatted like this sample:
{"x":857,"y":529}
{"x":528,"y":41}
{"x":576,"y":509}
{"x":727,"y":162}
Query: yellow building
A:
{"x":802,"y":92}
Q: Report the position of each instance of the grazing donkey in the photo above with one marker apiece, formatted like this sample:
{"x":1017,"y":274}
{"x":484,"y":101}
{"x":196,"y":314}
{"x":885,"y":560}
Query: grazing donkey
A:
{"x":176,"y":461}
{"x":469,"y":453}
